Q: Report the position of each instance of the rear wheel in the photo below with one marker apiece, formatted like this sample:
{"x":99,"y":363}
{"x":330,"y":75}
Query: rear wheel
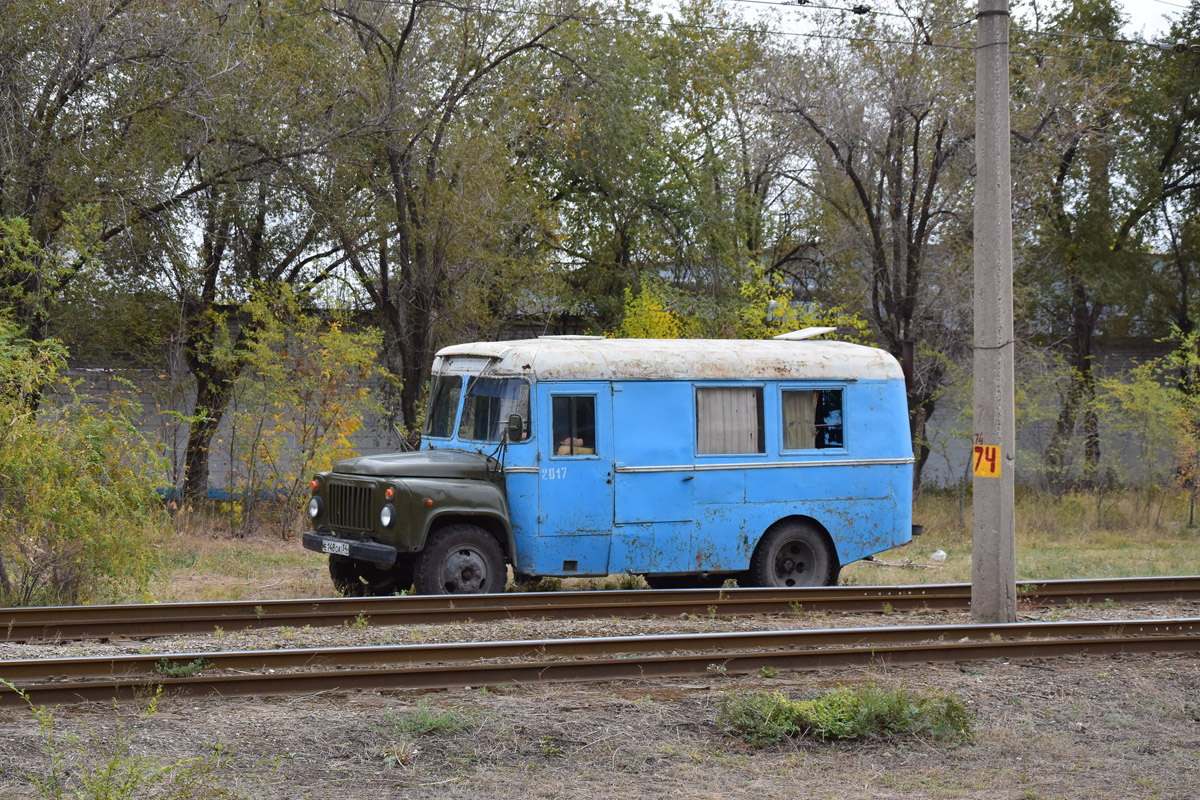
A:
{"x":794,"y":554}
{"x":460,"y":559}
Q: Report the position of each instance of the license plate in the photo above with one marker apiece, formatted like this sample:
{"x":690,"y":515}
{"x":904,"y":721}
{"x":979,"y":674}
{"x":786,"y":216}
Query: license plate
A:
{"x":335,"y":547}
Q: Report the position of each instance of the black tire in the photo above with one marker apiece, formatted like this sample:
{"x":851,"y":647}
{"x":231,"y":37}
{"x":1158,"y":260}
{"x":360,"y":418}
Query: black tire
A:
{"x":344,"y":574}
{"x":460,"y":559}
{"x":385,"y":581}
{"x":360,"y":578}
{"x":794,"y":554}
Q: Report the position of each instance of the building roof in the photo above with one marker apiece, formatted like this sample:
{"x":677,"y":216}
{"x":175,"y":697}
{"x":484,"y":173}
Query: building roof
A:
{"x":598,"y":358}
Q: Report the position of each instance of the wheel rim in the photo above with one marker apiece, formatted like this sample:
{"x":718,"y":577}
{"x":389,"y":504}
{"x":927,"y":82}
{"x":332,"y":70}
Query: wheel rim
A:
{"x":464,"y":571}
{"x":795,"y":563}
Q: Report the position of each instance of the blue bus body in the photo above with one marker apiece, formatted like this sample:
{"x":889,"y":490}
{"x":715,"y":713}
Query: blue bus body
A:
{"x":676,"y":458}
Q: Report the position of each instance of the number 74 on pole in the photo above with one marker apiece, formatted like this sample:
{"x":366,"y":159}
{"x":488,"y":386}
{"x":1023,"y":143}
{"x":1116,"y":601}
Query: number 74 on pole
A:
{"x":987,"y":461}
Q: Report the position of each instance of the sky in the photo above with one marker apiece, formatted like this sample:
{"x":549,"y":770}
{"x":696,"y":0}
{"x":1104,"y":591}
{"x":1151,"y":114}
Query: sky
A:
{"x":1151,"y":16}
{"x":1148,"y":19}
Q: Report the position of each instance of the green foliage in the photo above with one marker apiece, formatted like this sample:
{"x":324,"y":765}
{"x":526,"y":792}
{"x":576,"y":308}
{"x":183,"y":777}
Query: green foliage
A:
{"x":301,"y":395}
{"x":20,"y":262}
{"x":1144,"y":417}
{"x":425,"y":720}
{"x":875,"y":712}
{"x":78,"y":509}
{"x":27,"y":370}
{"x":646,"y":315}
{"x":868,"y":712}
{"x":174,"y":669}
{"x":766,"y":309}
{"x":756,"y":718}
{"x":105,"y":765}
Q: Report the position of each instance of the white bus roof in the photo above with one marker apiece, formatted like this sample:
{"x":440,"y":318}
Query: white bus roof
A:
{"x":598,"y":358}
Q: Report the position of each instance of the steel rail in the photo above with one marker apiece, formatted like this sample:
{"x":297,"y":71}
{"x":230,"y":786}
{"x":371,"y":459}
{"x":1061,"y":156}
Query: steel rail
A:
{"x":140,"y":620}
{"x":93,"y":667}
{"x":609,"y":658}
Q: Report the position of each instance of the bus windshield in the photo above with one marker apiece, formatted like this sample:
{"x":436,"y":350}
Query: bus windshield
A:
{"x":489,"y":403}
{"x":443,"y":405}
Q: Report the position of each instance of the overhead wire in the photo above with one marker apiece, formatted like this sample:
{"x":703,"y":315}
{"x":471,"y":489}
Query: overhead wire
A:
{"x":860,"y":10}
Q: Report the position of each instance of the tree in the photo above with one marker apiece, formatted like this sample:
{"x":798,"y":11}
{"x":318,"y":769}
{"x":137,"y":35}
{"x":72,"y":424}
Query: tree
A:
{"x":421,"y":200}
{"x":1107,"y":143}
{"x":304,"y":389}
{"x":55,"y":551}
{"x":882,"y":117}
{"x":659,"y":161}
{"x":148,"y":145}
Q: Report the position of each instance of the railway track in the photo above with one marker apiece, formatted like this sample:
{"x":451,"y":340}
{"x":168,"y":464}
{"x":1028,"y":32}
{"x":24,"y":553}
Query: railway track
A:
{"x":265,"y":672}
{"x":140,"y":621}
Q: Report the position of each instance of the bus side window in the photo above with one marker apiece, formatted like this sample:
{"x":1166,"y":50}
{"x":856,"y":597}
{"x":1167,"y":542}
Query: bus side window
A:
{"x":574,"y":421}
{"x":812,"y":419}
{"x":729,"y":419}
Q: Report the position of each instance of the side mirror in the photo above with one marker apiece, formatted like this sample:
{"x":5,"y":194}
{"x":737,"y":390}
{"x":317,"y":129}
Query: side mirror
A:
{"x":516,"y":428}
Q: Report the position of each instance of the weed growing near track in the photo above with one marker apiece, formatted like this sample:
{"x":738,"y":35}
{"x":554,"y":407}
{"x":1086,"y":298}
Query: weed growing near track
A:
{"x":869,"y":712}
{"x":104,"y":764}
{"x":424,"y":720}
{"x":174,"y":669}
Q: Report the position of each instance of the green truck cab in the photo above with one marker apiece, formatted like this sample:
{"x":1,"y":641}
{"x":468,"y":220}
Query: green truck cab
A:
{"x":436,"y":518}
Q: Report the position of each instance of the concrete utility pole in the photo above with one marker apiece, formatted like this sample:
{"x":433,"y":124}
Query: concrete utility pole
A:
{"x":993,"y":561}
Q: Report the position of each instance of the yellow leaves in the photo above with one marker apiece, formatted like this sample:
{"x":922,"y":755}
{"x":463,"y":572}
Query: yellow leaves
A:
{"x":295,"y":408}
{"x":646,"y":316}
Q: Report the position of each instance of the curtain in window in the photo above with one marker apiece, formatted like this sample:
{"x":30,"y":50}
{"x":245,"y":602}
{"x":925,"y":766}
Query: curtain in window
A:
{"x":799,"y":415}
{"x":727,"y":420}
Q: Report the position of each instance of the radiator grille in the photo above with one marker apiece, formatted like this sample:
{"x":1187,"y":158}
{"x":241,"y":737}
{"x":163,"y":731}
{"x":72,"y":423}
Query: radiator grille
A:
{"x":350,"y":506}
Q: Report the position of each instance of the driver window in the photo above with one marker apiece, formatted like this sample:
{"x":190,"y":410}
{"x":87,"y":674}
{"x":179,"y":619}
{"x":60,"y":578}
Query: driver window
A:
{"x":574,"y":421}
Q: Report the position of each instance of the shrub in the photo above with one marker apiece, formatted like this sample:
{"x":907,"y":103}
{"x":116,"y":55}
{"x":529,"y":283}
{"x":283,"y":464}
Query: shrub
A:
{"x":425,"y":720}
{"x":79,"y":513}
{"x":756,"y":718}
{"x":876,"y":712}
{"x":869,"y":712}
{"x":302,"y":394}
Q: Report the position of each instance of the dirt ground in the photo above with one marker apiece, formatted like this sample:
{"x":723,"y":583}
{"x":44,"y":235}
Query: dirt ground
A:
{"x":1087,"y":728}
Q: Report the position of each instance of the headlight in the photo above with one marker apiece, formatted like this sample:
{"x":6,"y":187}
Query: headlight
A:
{"x":314,"y":508}
{"x":387,"y":515}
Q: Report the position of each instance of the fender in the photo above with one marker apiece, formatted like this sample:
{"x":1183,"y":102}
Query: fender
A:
{"x":434,"y":503}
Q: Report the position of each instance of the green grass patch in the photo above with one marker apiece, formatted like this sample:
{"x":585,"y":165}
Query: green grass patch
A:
{"x":425,"y":720}
{"x":173,"y":669}
{"x":870,"y":712}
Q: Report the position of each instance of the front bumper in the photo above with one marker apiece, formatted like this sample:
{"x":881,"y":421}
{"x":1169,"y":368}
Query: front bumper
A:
{"x":382,"y":554}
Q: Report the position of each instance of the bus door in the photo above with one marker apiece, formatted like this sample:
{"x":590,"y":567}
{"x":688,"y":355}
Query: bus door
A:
{"x":575,"y":472}
{"x":654,"y":480}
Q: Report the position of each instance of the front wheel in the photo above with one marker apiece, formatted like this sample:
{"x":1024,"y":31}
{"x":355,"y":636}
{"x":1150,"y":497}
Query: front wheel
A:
{"x":359,"y":578}
{"x":794,"y":554}
{"x":460,"y":559}
{"x":344,"y":574}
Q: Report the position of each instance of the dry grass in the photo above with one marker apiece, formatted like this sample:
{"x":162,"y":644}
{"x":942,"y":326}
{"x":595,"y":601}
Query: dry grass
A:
{"x":202,"y":561}
{"x":1057,"y":538}
{"x":1067,"y":729}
